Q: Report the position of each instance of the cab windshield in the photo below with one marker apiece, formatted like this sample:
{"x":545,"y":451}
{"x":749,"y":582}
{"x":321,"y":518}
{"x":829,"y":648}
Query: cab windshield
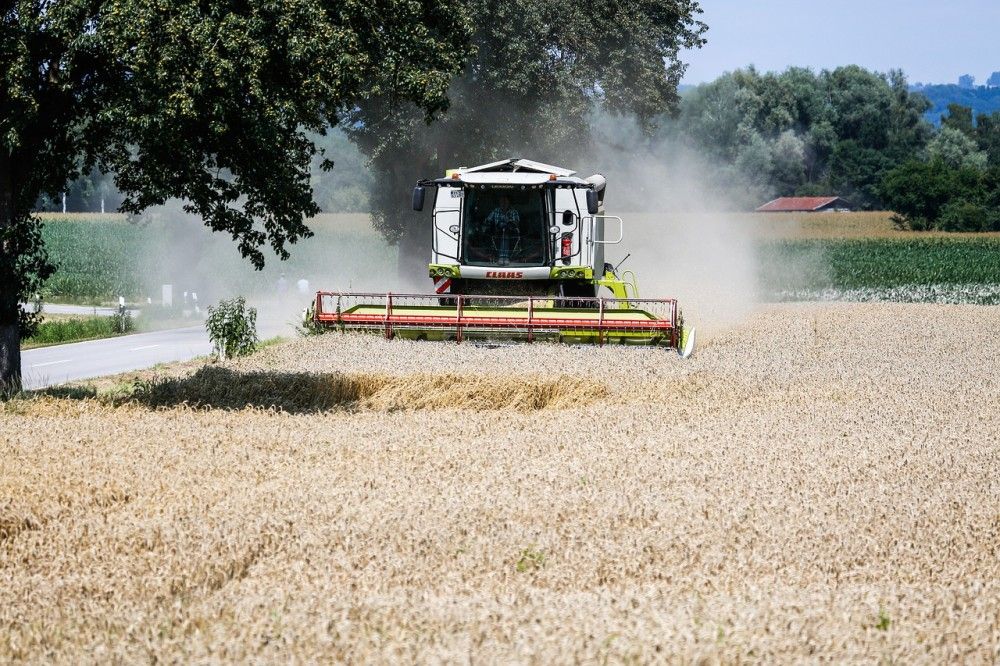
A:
{"x":504,"y":227}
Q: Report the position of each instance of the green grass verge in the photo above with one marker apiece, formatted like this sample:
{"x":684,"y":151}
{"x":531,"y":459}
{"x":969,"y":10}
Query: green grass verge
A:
{"x":76,"y":329}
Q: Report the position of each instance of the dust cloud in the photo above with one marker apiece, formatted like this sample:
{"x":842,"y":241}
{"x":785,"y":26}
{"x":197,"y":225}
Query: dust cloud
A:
{"x":344,"y":254}
{"x":680,"y":226}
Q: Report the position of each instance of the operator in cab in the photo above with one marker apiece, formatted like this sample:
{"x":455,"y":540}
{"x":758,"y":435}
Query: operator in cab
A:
{"x":504,"y":225}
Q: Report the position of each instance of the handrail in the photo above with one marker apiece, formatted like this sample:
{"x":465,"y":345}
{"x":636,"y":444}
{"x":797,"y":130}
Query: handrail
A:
{"x":621,"y":230}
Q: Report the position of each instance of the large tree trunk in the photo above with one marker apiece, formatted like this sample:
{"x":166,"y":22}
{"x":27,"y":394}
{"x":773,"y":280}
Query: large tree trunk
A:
{"x":10,"y":359}
{"x":10,"y":329}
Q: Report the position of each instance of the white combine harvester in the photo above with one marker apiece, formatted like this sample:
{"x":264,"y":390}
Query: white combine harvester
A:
{"x":517,"y":254}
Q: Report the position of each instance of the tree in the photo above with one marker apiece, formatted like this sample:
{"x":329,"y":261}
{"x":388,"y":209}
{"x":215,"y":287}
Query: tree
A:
{"x":994,"y":80}
{"x":856,"y":171}
{"x":539,"y":70}
{"x":956,"y":149}
{"x":85,"y":194}
{"x":959,"y":118}
{"x":207,"y":101}
{"x":967,"y":81}
{"x":936,"y":195}
{"x":988,"y":136}
{"x":849,"y":125}
{"x":917,"y":191}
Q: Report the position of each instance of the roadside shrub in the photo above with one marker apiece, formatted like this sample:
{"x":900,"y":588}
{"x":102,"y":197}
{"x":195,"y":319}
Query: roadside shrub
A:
{"x":232,"y":328}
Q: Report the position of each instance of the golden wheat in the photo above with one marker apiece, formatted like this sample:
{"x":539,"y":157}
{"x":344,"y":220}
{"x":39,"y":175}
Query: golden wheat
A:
{"x":817,"y":484}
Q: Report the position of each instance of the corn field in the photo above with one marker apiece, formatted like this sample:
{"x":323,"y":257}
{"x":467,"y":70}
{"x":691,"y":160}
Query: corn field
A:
{"x":97,"y":260}
{"x":967,"y":269}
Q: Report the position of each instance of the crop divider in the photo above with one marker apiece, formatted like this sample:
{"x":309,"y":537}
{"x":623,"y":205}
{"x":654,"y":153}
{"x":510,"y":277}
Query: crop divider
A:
{"x":531,"y":314}
{"x":600,"y":322}
{"x":388,"y":316}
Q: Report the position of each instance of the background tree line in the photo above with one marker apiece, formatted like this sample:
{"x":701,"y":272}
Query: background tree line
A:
{"x":850,"y":132}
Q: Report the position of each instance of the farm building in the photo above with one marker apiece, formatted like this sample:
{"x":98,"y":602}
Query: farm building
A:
{"x":805,"y":205}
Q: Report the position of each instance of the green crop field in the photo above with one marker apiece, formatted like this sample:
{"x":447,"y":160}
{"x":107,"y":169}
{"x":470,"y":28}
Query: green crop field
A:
{"x":96,"y":259}
{"x":937,"y":269}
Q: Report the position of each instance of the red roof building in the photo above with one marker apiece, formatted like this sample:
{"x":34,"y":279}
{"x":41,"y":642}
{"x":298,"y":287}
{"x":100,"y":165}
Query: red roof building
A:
{"x":805,"y":205}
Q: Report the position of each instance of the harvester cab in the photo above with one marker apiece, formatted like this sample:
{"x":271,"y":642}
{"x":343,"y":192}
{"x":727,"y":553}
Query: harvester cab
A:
{"x":522,"y":228}
{"x":517,"y":254}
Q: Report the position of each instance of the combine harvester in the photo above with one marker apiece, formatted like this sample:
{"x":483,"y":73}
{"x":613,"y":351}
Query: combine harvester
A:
{"x":517,"y":254}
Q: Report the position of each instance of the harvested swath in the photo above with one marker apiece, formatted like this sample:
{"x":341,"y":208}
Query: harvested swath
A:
{"x":817,"y":484}
{"x":226,"y":388}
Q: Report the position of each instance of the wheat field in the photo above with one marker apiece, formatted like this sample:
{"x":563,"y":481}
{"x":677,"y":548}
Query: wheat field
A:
{"x":819,"y":483}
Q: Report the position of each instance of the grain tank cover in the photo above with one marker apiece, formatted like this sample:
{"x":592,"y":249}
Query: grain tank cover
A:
{"x":518,"y":165}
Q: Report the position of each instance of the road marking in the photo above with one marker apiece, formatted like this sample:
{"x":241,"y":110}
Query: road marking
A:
{"x":42,"y":365}
{"x":143,"y":347}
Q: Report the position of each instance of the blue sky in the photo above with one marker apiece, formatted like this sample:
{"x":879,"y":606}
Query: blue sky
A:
{"x":933,"y":42}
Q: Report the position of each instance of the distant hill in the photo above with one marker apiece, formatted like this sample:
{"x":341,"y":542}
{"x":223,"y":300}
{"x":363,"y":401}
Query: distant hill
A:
{"x":981,"y":99}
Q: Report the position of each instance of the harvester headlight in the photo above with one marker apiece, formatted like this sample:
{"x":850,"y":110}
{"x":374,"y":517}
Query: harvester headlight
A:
{"x":439,"y":271}
{"x":554,"y":229}
{"x":453,"y":228}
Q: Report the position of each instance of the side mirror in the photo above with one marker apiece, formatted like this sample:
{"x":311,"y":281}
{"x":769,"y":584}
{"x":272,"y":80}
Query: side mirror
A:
{"x":567,"y":218}
{"x":418,"y":197}
{"x":593,"y":205}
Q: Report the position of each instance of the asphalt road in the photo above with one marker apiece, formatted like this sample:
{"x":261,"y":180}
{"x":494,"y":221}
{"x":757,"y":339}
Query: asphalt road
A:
{"x":48,"y":366}
{"x":58,"y":364}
